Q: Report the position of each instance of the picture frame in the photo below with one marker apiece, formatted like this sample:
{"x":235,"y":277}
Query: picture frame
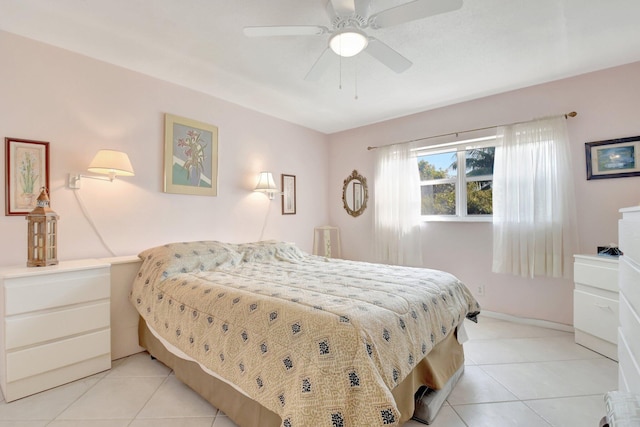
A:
{"x":613,"y":158}
{"x":190,"y":157}
{"x":26,"y":172}
{"x":288,"y":194}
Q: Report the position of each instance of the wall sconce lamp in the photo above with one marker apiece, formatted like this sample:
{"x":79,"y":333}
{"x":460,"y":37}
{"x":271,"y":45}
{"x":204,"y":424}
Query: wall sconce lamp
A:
{"x":108,"y":162}
{"x":267,"y":185}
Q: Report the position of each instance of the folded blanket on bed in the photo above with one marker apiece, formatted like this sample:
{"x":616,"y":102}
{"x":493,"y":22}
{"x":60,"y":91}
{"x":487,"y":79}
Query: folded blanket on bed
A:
{"x":321,"y":342}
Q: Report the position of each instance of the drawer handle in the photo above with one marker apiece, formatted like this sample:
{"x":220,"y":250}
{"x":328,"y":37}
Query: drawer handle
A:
{"x":604,"y":307}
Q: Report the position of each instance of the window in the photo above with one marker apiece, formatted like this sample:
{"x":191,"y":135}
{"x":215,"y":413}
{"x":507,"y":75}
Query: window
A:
{"x":450,"y":194}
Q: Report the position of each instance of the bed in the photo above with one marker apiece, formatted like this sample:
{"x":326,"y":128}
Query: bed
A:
{"x":273,"y":336}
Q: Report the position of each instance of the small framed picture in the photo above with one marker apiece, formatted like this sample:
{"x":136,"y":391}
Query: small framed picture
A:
{"x":613,"y":158}
{"x":190,"y":157}
{"x":27,"y":171}
{"x":288,"y":194}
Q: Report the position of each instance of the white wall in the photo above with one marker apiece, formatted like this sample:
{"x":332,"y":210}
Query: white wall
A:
{"x":81,"y":105}
{"x":607,"y":106}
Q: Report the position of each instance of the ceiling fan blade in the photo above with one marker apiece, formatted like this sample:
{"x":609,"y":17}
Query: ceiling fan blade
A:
{"x":285,"y":30}
{"x":362,"y":7}
{"x":343,"y":7}
{"x":320,"y":66}
{"x":417,"y":9}
{"x":387,"y":55}
{"x":333,"y":16}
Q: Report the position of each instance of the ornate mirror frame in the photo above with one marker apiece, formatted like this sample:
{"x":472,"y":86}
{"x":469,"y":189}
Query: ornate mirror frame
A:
{"x":355,"y":194}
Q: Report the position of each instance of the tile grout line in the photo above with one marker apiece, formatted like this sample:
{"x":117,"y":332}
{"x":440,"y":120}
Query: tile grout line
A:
{"x":166,"y":379}
{"x":103,"y":375}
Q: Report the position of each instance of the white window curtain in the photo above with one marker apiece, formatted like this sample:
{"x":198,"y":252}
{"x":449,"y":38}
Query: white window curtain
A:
{"x":397,"y":206}
{"x":534,"y":220}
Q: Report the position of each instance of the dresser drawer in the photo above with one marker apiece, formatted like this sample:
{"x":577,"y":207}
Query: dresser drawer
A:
{"x":596,"y":315}
{"x":596,"y":271}
{"x":629,"y":239}
{"x":54,"y":355}
{"x":630,"y":282}
{"x":27,"y":294}
{"x":22,"y":331}
{"x":630,"y":324}
{"x":628,"y":369}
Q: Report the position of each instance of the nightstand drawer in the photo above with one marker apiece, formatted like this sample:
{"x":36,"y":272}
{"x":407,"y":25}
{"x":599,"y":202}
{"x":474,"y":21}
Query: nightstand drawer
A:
{"x":596,"y":315}
{"x":43,"y":358}
{"x":22,"y":331}
{"x":598,"y":272}
{"x":26,"y":294}
{"x":54,"y":325}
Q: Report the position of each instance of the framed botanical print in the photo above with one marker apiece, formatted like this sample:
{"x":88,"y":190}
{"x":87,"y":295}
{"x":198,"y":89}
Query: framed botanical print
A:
{"x":27,"y":171}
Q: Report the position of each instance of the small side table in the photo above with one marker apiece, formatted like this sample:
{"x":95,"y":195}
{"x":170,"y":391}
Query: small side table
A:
{"x":326,"y":241}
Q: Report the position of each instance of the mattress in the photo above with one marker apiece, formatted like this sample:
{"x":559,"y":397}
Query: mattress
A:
{"x":315,"y":341}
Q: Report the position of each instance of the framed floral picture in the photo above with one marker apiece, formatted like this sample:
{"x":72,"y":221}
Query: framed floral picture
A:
{"x":27,"y":171}
{"x":190,"y":157}
{"x":288,"y":194}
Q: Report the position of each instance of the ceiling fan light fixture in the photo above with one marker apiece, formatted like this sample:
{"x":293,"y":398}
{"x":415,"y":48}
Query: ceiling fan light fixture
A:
{"x":348,"y":42}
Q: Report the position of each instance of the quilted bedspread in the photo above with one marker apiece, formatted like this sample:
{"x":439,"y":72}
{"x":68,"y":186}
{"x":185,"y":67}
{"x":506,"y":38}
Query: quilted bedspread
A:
{"x":320,"y":342}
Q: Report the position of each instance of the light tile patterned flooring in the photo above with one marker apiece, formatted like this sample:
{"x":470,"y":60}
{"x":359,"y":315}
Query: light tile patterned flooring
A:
{"x":515,"y":375}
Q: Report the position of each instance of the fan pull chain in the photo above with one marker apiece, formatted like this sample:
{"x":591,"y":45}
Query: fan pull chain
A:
{"x":356,"y":80}
{"x":340,"y":56}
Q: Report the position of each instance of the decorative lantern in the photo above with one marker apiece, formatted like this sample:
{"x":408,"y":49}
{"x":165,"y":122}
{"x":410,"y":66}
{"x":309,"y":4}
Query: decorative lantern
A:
{"x":43,"y":233}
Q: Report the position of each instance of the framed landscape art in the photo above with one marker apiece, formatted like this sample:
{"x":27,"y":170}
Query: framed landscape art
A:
{"x":613,"y":158}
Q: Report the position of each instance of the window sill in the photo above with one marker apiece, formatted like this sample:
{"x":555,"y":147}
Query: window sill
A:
{"x":479,"y":218}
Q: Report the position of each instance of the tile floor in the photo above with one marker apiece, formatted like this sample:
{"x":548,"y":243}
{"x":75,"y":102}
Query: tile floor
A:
{"x":515,"y":375}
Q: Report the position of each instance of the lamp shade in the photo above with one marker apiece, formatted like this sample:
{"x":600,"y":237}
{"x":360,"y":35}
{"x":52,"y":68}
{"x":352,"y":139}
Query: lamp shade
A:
{"x":112,"y":163}
{"x":348,"y":42}
{"x":266,"y":184}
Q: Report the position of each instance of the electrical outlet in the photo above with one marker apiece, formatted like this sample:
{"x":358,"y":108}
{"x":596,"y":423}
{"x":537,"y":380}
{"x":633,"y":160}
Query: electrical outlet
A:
{"x":480,"y":290}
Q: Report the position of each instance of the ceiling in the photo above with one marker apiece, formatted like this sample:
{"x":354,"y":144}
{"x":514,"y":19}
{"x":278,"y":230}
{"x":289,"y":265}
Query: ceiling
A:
{"x":486,"y":47}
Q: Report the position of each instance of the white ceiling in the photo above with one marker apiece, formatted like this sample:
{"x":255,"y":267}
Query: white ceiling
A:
{"x":486,"y":47}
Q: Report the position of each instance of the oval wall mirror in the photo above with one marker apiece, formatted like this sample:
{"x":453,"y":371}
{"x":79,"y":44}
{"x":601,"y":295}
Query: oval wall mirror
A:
{"x":355,"y":194}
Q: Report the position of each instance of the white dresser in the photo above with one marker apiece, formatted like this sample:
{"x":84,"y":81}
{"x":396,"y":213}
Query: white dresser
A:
{"x":596,"y":304}
{"x":54,"y":325}
{"x":629,"y":330}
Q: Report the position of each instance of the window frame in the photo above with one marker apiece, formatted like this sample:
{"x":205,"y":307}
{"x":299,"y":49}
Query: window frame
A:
{"x":460,"y":180}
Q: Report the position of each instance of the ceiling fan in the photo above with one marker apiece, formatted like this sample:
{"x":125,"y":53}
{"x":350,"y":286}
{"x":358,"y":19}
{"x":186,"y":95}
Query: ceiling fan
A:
{"x":349,"y":19}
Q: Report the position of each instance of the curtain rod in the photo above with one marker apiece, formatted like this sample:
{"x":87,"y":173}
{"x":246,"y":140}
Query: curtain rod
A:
{"x":566,"y":116}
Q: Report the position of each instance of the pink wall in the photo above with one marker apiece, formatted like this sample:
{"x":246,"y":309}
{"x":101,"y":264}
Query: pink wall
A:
{"x":607,"y":107}
{"x":81,"y":105}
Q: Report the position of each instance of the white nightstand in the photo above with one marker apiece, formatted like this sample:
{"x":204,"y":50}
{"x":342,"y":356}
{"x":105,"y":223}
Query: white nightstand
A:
{"x":54,"y":325}
{"x":595,"y":303}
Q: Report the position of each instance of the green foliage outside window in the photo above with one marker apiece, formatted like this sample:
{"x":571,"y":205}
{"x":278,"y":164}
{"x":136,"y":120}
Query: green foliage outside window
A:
{"x":440,"y":198}
{"x":479,"y":198}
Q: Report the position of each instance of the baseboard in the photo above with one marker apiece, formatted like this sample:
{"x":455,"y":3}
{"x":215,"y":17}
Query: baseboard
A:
{"x":527,"y":321}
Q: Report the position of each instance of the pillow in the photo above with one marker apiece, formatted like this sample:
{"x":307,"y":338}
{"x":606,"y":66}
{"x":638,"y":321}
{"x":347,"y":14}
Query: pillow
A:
{"x":270,"y":250}
{"x":184,"y":257}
